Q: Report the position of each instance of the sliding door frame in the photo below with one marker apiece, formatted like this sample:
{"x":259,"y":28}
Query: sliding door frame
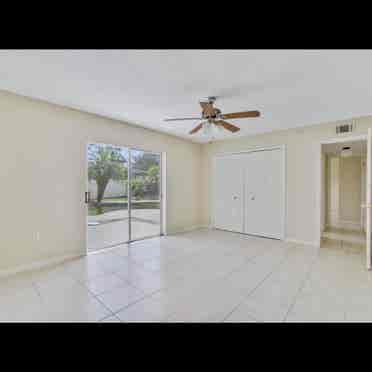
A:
{"x":162,"y":194}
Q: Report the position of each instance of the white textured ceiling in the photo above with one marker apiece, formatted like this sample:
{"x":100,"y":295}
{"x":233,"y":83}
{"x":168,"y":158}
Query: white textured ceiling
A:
{"x":291,"y":88}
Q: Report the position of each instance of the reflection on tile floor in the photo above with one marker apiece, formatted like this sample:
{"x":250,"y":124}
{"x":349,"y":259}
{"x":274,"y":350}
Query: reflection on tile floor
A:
{"x":200,"y":276}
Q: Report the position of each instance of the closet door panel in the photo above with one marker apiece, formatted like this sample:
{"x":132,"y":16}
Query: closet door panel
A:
{"x":228,"y":193}
{"x":264,"y":190}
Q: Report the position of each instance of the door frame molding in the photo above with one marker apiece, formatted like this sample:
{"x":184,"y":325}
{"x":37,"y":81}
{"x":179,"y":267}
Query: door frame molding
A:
{"x":319,"y":182}
{"x":281,"y":147}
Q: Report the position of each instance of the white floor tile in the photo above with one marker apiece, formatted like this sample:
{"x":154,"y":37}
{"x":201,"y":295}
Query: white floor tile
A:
{"x":120,"y":297}
{"x":83,"y":309}
{"x":200,"y":276}
{"x":105,"y":283}
{"x":147,"y":310}
{"x":111,"y":319}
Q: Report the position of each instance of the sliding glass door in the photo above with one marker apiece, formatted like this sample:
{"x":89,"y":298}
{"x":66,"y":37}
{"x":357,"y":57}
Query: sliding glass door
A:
{"x":123,"y":195}
{"x":107,"y":196}
{"x":145,"y":204}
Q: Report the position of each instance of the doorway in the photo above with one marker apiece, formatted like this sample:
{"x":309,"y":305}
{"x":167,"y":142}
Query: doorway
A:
{"x":343,"y":195}
{"x":124,"y":195}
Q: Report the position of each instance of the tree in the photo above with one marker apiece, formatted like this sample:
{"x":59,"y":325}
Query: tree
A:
{"x":152,"y":174}
{"x":138,"y":188}
{"x":143,"y":161}
{"x":145,"y":173}
{"x":105,"y":163}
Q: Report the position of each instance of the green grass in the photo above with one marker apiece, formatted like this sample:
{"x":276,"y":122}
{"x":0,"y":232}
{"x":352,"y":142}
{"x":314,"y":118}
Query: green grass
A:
{"x":115,"y":200}
{"x":94,"y":211}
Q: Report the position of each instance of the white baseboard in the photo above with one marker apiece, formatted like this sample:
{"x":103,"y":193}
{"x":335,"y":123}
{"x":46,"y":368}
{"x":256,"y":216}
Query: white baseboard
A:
{"x":37,"y":265}
{"x":302,"y":242}
{"x":188,"y":229}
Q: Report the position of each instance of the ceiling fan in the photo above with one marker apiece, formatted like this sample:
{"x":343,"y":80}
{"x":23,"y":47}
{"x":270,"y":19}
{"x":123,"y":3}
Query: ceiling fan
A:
{"x":213,"y":116}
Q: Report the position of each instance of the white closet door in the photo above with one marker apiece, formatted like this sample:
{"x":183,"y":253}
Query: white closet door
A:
{"x":228,"y":193}
{"x":264,"y":193}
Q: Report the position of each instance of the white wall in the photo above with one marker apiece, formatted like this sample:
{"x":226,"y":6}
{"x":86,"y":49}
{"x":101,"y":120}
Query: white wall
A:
{"x":46,"y":144}
{"x":303,"y":172}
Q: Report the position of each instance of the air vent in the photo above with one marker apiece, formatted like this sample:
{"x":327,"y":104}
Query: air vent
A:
{"x":344,"y":128}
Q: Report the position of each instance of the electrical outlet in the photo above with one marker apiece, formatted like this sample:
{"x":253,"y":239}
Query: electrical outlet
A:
{"x":37,"y":235}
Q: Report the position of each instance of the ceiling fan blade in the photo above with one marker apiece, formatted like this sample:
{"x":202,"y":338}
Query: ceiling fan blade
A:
{"x":198,"y":127}
{"x":228,"y":126}
{"x":239,"y":115}
{"x":179,"y":119}
{"x":207,"y":107}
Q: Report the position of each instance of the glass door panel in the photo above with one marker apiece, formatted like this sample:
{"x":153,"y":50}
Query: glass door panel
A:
{"x":107,"y":197}
{"x":145,"y":194}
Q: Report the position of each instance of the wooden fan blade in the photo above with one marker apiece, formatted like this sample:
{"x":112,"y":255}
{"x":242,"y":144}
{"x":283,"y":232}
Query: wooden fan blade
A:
{"x":207,"y":107}
{"x":228,"y":126}
{"x":198,"y":127}
{"x":244,"y":114}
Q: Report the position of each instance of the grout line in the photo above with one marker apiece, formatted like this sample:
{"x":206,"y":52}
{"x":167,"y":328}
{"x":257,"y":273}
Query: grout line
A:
{"x":96,"y":297}
{"x":206,"y":283}
{"x":132,"y":303}
{"x":302,"y":284}
{"x":281,"y":262}
{"x":109,"y":316}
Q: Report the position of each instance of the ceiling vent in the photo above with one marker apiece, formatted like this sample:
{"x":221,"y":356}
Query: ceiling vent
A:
{"x":344,"y":128}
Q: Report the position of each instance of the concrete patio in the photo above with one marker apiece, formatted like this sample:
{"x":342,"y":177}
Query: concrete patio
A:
{"x":112,"y":227}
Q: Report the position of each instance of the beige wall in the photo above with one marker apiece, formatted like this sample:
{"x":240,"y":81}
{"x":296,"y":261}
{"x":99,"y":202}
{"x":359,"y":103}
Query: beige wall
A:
{"x":333,"y":191}
{"x":303,"y":172}
{"x":350,"y":190}
{"x":324,"y":196}
{"x":344,"y":189}
{"x":364,"y":179}
{"x":46,"y":145}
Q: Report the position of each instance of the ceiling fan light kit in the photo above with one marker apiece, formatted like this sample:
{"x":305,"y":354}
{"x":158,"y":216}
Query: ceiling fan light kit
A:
{"x":210,"y":130}
{"x":213,"y":120}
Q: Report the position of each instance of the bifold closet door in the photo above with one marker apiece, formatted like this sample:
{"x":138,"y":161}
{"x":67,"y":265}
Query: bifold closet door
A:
{"x":264,"y":193}
{"x":228,"y":193}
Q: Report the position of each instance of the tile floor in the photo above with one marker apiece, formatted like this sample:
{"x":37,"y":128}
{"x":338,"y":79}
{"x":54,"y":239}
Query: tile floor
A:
{"x":201,"y":276}
{"x":351,"y":236}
